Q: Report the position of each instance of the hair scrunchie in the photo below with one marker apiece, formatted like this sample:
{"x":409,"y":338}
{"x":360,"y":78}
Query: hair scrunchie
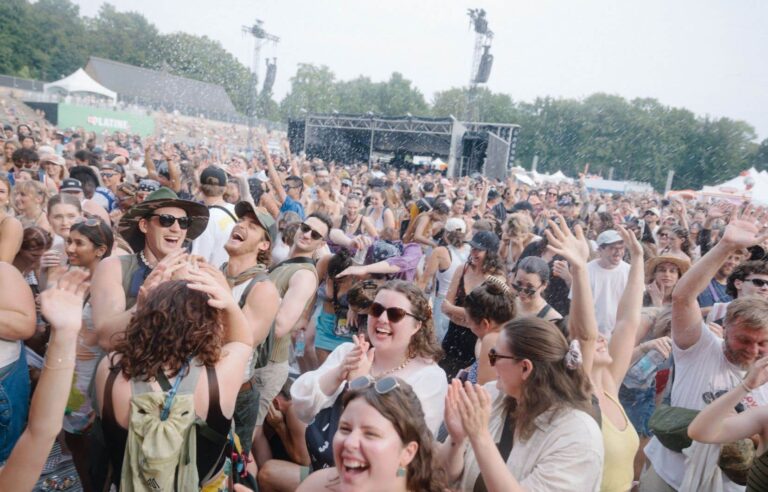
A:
{"x":573,"y":356}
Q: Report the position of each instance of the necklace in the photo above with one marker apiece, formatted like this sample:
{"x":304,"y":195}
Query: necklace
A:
{"x":398,"y":368}
{"x":144,"y":259}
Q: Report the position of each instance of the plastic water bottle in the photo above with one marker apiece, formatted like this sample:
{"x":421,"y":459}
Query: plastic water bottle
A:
{"x":298,"y":349}
{"x":642,"y":373}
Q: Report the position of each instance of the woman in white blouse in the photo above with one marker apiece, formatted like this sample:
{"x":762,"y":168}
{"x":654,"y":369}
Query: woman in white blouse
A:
{"x":401,"y":343}
{"x":538,"y":411}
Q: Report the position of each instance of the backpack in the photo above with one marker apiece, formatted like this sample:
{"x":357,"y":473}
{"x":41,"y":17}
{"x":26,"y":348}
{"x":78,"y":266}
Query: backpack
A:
{"x":161,"y":449}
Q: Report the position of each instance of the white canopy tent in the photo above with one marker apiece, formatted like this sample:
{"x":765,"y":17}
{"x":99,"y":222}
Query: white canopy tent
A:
{"x":751,"y":184}
{"x":81,"y":83}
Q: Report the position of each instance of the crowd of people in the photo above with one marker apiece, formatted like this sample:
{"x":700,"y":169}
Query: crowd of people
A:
{"x":179,"y":315}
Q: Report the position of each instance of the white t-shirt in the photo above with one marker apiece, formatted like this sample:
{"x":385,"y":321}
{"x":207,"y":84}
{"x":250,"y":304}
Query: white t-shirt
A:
{"x":210,"y":244}
{"x":607,"y":288}
{"x":702,"y":374}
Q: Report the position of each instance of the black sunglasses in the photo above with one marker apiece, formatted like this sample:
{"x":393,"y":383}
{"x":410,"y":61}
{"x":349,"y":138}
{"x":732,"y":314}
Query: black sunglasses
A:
{"x":394,"y":314}
{"x":758,"y":282}
{"x":494,"y":356}
{"x":382,"y":386}
{"x":167,"y":220}
{"x":525,"y":290}
{"x":305,"y":229}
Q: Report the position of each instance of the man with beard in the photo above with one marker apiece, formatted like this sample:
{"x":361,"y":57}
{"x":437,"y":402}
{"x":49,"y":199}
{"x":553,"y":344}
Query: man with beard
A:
{"x":249,"y":253}
{"x":156,"y":230}
{"x":608,"y":276}
{"x":707,"y":366}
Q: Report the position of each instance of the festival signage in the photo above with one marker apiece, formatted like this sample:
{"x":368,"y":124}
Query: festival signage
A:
{"x":100,"y":120}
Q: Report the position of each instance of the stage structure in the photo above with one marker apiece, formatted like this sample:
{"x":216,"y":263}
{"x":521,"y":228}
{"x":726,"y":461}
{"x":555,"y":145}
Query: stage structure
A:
{"x":467,"y":147}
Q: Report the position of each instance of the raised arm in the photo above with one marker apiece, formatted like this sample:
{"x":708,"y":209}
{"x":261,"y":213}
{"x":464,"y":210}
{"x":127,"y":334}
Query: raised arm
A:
{"x":719,"y":423}
{"x":274,"y":177}
{"x":582,"y":323}
{"x":742,"y":232}
{"x":628,"y":315}
{"x":301,"y":288}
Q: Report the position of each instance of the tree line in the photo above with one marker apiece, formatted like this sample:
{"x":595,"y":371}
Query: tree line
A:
{"x":640,"y":139}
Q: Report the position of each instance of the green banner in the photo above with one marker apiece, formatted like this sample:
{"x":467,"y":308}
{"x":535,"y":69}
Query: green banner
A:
{"x":100,"y":119}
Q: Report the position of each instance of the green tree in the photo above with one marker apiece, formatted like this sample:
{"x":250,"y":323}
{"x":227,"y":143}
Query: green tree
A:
{"x":313,"y":89}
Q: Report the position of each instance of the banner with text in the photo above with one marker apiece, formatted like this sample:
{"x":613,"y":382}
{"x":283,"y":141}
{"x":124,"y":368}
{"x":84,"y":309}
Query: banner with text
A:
{"x":100,"y":120}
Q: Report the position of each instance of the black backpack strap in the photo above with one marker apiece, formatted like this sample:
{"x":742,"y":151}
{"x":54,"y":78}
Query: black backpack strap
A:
{"x":225,"y":210}
{"x":290,"y":261}
{"x":504,"y":446}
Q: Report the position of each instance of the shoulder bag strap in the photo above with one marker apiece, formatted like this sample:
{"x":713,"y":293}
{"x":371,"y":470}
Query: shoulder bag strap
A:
{"x":291,"y":261}
{"x":504,"y":446}
{"x":225,"y":210}
{"x":259,"y":277}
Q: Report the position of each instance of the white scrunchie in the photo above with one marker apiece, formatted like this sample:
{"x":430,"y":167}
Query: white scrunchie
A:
{"x":573,"y":356}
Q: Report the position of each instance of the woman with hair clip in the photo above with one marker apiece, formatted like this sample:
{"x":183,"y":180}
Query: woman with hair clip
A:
{"x":459,"y":342}
{"x":88,"y":242}
{"x":382,"y":444}
{"x":488,"y":307}
{"x":441,"y":265}
{"x":530,"y":281}
{"x":11,"y":230}
{"x":195,"y":320}
{"x":530,"y":430}
{"x":606,"y":362}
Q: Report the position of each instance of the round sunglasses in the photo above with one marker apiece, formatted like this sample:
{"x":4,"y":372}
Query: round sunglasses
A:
{"x":167,"y":220}
{"x":394,"y":314}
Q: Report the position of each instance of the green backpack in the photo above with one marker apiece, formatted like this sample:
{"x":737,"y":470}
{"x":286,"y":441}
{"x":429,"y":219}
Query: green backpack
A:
{"x":161,"y":450}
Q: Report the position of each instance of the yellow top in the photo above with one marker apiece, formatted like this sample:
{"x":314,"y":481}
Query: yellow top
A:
{"x":620,"y":448}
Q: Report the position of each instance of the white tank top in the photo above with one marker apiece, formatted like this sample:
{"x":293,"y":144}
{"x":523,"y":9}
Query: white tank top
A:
{"x":9,"y":352}
{"x":458,"y":258}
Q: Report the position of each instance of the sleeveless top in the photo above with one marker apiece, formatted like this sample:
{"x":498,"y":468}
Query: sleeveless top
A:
{"x":281,"y":277}
{"x":378,"y":222}
{"x":620,"y":448}
{"x":116,"y":436}
{"x":344,"y":225}
{"x":443,"y":277}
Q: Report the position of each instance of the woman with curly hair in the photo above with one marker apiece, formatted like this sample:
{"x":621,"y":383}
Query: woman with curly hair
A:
{"x":193,"y":328}
{"x":382,"y":443}
{"x":459,"y":342}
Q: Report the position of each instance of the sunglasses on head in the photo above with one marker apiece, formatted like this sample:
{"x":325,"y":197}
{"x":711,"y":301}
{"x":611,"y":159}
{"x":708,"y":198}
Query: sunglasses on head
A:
{"x":525,"y":290}
{"x":757,"y":282}
{"x":394,"y":314}
{"x":167,"y":220}
{"x":382,"y":386}
{"x":494,"y":356}
{"x":305,"y":229}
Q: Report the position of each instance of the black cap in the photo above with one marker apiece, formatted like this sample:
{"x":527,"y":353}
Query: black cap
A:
{"x":522,"y":206}
{"x":71,"y":184}
{"x":213,"y":175}
{"x":485,"y":241}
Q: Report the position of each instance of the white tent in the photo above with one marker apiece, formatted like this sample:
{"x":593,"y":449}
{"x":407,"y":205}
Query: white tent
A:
{"x":79,"y":83}
{"x":751,"y":184}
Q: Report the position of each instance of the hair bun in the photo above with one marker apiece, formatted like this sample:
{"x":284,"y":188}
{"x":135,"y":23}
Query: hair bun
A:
{"x":496,"y":285}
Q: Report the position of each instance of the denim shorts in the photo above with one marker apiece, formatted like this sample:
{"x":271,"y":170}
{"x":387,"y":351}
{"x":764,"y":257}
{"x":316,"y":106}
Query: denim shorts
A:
{"x":639,"y":405}
{"x":14,"y":404}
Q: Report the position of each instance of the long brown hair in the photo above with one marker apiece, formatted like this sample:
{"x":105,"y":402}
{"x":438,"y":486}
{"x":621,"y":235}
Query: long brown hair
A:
{"x":423,"y":342}
{"x":551,"y":385}
{"x":174,"y":325}
{"x":403,"y":409}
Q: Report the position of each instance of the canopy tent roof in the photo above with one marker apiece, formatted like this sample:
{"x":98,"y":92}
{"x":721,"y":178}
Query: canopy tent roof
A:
{"x":750,"y":184}
{"x":80,"y":82}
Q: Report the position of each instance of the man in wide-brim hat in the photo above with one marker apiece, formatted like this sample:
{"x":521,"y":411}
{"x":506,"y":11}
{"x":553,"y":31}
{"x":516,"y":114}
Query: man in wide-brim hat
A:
{"x":156,"y":230}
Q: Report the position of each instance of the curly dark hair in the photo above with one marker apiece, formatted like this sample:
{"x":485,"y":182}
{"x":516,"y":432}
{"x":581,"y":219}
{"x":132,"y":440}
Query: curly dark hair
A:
{"x":174,"y":325}
{"x":493,"y":264}
{"x":424,"y":341}
{"x":742,"y":271}
{"x":403,"y":409}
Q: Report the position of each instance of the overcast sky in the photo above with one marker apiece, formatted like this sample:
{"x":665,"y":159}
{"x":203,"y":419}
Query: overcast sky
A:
{"x":705,"y":55}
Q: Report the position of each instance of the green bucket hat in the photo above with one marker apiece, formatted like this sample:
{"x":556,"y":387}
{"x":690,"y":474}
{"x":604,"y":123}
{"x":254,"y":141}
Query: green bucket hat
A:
{"x":266,"y":220}
{"x":161,"y":198}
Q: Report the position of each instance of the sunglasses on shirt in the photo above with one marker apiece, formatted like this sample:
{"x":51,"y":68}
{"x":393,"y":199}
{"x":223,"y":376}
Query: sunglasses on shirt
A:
{"x":382,"y":386}
{"x":394,"y":314}
{"x":167,"y":220}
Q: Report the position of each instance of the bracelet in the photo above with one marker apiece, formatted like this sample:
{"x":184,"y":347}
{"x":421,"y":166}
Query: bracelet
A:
{"x":746,"y":388}
{"x":60,"y":360}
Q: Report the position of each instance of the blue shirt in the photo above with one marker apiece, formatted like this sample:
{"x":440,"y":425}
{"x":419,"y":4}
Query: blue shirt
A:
{"x":291,"y":205}
{"x":715,"y":292}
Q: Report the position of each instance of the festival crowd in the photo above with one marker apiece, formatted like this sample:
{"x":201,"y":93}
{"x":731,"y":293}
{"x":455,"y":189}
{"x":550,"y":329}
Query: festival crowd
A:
{"x":181,"y":315}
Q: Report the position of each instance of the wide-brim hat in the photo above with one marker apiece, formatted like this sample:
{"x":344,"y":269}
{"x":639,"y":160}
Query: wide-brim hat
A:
{"x":651,"y":264}
{"x":161,"y":198}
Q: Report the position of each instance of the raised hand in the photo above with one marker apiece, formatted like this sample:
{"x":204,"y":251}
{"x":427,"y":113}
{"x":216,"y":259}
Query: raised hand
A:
{"x":631,"y":242}
{"x":758,"y":374}
{"x":163,"y":272}
{"x":474,"y":405}
{"x":62,"y":304}
{"x":451,"y":415}
{"x":220,"y":296}
{"x":743,"y":230}
{"x":719,"y":210}
{"x":571,"y":246}
{"x":359,"y":360}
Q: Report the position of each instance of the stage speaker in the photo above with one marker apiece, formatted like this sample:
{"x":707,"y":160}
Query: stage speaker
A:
{"x":474,"y":147}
